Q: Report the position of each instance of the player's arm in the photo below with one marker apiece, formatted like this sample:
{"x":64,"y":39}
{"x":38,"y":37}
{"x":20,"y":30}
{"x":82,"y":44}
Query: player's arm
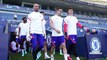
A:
{"x":65,"y":28}
{"x":28,"y":29}
{"x":29,"y":22}
{"x":19,"y":29}
{"x":81,"y":26}
{"x":52,"y":26}
{"x":16,"y":32}
{"x":43,"y":27}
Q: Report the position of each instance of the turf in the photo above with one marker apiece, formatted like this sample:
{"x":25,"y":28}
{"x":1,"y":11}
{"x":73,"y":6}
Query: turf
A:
{"x":17,"y":56}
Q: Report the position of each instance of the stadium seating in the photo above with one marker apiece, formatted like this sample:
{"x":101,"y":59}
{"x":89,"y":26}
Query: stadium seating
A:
{"x":9,"y":16}
{"x":86,"y":3}
{"x":50,"y":12}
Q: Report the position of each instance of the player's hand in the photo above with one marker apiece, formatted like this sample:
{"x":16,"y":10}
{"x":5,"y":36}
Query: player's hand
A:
{"x":58,"y":31}
{"x":28,"y":38}
{"x":86,"y":28}
{"x":45,"y":36}
{"x":18,"y":36}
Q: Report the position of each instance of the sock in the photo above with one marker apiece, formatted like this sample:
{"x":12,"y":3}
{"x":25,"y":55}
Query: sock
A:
{"x":45,"y":53}
{"x":52,"y":57}
{"x":60,"y":51}
{"x":25,"y":51}
{"x":77,"y":58}
{"x":65,"y":57}
{"x":22,"y":52}
{"x":54,"y":51}
{"x":39,"y":55}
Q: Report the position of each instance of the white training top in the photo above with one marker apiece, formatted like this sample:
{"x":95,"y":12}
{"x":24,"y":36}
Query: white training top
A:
{"x":17,"y":30}
{"x":58,"y":24}
{"x":13,"y":45}
{"x":23,"y":28}
{"x":35,"y":22}
{"x":71,"y":22}
{"x":44,"y":30}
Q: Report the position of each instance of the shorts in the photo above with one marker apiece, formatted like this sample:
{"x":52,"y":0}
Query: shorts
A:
{"x":22,"y":40}
{"x":57,"y":40}
{"x":72,"y":39}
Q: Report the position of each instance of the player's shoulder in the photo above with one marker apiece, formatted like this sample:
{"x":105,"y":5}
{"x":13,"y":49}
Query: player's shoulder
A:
{"x":40,"y":14}
{"x":53,"y":16}
{"x":67,"y":17}
{"x":21,"y":23}
{"x":74,"y":17}
{"x":31,"y":13}
{"x":16,"y":29}
{"x":12,"y":42}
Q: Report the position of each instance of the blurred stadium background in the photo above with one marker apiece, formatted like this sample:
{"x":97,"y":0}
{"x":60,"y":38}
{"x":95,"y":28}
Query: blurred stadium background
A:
{"x":91,"y":13}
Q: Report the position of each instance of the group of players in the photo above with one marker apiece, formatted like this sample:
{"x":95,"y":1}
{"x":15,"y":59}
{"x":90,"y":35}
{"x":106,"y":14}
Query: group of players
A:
{"x":33,"y":29}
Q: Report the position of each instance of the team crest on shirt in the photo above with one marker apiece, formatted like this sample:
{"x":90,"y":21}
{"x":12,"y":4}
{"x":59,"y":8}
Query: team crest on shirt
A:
{"x":95,"y":46}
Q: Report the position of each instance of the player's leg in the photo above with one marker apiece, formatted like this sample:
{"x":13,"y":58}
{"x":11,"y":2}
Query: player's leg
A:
{"x":21,"y":45}
{"x":62,"y":43}
{"x":38,"y":55}
{"x":18,"y":43}
{"x":74,"y":51}
{"x":60,"y":51}
{"x":53,"y":43}
{"x":34,"y":45}
{"x":51,"y":52}
{"x":45,"y":50}
{"x":40,"y":41}
{"x":73,"y":46}
{"x":69,"y":51}
{"x":70,"y":48}
{"x":24,"y":44}
{"x":25,"y":48}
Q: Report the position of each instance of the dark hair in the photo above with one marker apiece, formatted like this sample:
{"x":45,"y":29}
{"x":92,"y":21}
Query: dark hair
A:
{"x":57,"y":8}
{"x":70,"y":8}
{"x":24,"y":18}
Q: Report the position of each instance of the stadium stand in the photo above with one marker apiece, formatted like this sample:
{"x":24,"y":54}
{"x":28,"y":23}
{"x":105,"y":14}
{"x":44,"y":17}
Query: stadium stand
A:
{"x":87,"y":3}
{"x":9,"y":15}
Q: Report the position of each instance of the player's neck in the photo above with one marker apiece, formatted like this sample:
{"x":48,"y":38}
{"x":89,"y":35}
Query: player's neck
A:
{"x":70,"y":15}
{"x":58,"y":15}
{"x":36,"y":11}
{"x":24,"y":22}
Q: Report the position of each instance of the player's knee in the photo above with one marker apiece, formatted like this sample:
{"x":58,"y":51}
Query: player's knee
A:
{"x":63,"y":45}
{"x":45,"y":43}
{"x":53,"y":46}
